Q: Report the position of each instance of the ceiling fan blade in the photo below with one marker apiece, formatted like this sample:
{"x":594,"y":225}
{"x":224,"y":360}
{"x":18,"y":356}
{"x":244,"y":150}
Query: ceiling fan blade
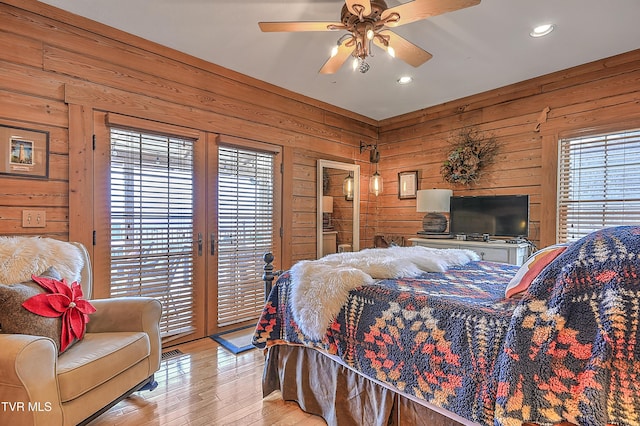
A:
{"x":404,"y":49}
{"x":268,"y":27}
{"x":422,"y":9}
{"x":335,"y":62}
{"x":355,"y":6}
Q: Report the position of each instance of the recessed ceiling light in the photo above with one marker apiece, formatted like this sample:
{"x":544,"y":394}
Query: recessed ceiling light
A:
{"x":542,"y":30}
{"x":405,"y":80}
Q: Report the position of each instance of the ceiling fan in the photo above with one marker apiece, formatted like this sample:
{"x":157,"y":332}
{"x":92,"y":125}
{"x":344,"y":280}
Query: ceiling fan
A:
{"x":369,"y":21}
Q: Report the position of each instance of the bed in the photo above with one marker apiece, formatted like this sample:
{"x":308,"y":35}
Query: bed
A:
{"x":447,"y":347}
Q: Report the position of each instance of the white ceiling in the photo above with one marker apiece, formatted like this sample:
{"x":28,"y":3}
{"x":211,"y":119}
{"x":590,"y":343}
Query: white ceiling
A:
{"x":475,"y":49}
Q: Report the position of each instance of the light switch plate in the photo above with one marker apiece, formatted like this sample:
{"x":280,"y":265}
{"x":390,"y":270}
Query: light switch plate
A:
{"x":34,"y":218}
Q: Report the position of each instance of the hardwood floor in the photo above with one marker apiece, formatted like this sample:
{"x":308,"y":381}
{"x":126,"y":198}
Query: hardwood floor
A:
{"x":207,"y":385}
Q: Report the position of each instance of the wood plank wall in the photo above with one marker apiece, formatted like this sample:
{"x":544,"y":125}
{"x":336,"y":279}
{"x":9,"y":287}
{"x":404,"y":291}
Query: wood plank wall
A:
{"x":54,"y":65}
{"x":595,"y":97}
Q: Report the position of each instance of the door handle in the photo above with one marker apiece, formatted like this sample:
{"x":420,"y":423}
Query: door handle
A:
{"x":213,"y":244}
{"x":199,"y":243}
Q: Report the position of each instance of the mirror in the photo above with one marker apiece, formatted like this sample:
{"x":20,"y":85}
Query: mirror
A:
{"x":338,"y":216}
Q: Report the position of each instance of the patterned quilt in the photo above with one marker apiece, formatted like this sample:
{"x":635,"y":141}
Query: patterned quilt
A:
{"x":572,"y":351}
{"x":436,"y":337}
{"x":567,"y":350}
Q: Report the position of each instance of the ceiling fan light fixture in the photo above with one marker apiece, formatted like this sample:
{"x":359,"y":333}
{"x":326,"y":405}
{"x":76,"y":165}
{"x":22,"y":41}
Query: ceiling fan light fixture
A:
{"x":369,"y":22}
{"x":542,"y":30}
{"x":334,"y":51}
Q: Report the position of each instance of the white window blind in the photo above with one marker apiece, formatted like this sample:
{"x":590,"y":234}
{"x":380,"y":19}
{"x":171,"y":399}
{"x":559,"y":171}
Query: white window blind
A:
{"x":598,"y":183}
{"x":245,"y":231}
{"x":152,"y":223}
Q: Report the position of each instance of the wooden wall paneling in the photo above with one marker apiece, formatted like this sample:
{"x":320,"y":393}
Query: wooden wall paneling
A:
{"x":33,"y":109}
{"x":366,"y":130}
{"x":72,"y":59}
{"x":34,"y":194}
{"x":136,"y":105}
{"x":549,"y":185}
{"x":23,"y":106}
{"x":81,"y":175}
{"x":113,"y":52}
{"x":133,"y":81}
{"x":56,"y":217}
{"x":304,"y":205}
{"x":593,"y":71}
{"x":90,"y":66}
{"x":288,"y":206}
{"x":32,"y":81}
{"x":606,"y":68}
{"x":522,"y":90}
{"x":586,"y":97}
{"x":26,"y":51}
{"x":177,"y":79}
{"x":620,"y":113}
{"x":127,"y":48}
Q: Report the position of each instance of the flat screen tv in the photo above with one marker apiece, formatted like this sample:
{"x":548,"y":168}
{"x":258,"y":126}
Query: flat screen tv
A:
{"x":496,"y":215}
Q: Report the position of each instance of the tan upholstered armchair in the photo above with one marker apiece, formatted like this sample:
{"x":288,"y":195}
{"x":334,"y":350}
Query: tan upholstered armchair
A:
{"x":118,"y":355}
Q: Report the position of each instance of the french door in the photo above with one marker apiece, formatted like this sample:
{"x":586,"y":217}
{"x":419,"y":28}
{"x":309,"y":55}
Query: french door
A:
{"x":156,"y":214}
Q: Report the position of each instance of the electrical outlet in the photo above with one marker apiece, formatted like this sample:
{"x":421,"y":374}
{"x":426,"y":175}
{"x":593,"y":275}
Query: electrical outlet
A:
{"x":34,"y":219}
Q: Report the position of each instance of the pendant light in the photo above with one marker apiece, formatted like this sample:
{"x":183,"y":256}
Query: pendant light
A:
{"x":375,"y":181}
{"x":347,"y":187}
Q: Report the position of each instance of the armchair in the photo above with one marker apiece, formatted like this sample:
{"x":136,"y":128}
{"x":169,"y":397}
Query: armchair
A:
{"x":118,"y":355}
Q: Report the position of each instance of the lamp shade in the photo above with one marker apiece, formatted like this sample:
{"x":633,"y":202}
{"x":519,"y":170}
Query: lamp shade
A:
{"x":327,"y":204}
{"x":433,"y":200}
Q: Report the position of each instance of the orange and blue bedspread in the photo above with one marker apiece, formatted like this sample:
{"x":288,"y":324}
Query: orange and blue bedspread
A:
{"x":568,"y":350}
{"x":436,"y":337}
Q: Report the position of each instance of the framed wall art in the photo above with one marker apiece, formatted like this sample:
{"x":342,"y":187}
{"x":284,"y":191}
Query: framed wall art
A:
{"x":24,"y":152}
{"x":407,"y":184}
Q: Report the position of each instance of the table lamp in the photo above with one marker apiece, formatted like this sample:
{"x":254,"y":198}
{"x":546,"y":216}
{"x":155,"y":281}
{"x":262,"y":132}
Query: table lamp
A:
{"x":435,"y":202}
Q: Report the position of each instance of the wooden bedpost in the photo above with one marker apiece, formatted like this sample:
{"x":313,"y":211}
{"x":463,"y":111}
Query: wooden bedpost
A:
{"x":269,"y":275}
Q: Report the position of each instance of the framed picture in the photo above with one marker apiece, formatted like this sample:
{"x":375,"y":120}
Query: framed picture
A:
{"x":407,"y":184}
{"x":24,"y":152}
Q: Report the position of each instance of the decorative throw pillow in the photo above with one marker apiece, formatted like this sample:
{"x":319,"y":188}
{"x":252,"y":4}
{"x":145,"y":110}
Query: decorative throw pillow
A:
{"x":14,"y":319}
{"x":64,"y":302}
{"x":531,"y":268}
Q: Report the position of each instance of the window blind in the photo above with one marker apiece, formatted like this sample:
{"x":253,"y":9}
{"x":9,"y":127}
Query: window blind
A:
{"x":245,"y":231}
{"x":151,"y":189}
{"x":598,"y":184}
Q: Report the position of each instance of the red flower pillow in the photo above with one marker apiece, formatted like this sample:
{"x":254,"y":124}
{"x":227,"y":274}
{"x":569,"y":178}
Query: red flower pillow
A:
{"x":62,"y":300}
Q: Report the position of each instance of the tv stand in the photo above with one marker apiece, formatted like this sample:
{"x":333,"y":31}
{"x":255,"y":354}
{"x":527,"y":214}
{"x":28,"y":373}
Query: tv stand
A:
{"x":493,"y":251}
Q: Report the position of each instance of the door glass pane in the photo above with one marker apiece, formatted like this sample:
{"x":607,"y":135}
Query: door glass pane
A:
{"x":245,"y":231}
{"x":151,"y":189}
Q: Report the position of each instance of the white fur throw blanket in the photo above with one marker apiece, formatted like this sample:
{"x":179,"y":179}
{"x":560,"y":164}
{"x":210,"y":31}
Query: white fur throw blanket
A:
{"x":20,"y":257}
{"x":320,"y":287}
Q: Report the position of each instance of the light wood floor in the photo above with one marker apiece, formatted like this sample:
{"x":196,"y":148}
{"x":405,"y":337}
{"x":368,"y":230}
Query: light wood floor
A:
{"x":207,"y":385}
